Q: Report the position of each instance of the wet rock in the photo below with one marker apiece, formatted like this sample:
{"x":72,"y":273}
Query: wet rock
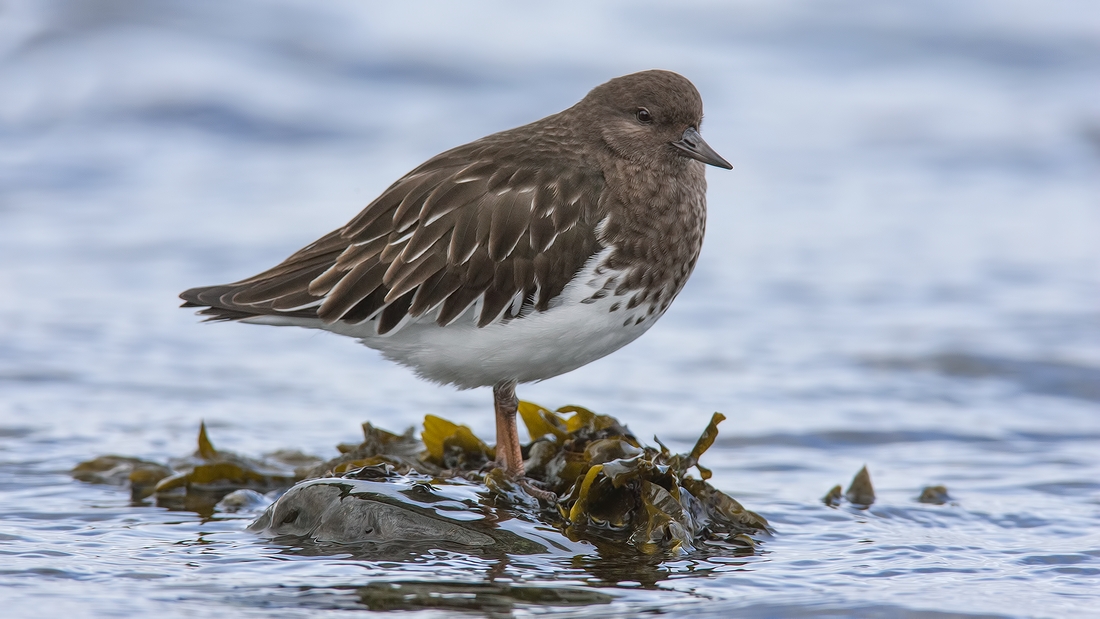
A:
{"x":393,"y":508}
{"x":242,"y":501}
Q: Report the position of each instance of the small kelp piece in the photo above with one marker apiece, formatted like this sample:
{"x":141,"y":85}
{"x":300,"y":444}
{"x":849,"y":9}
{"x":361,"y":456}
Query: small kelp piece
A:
{"x":682,"y":462}
{"x":201,"y":480}
{"x":453,"y":446}
{"x":109,"y":470}
{"x":541,"y":422}
{"x":934,"y":495}
{"x":584,"y":422}
{"x":706,"y":439}
{"x":663,"y":525}
{"x":860,"y":492}
{"x":834,"y":496}
{"x":581,"y":423}
{"x":704,"y":443}
{"x":206,"y":449}
{"x":379,"y":447}
{"x":141,"y":475}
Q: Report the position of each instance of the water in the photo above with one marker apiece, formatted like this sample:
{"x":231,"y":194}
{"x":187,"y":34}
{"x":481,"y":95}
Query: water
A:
{"x":902,"y":271}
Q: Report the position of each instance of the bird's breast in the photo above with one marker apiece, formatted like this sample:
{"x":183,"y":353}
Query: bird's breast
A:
{"x":654,"y":234}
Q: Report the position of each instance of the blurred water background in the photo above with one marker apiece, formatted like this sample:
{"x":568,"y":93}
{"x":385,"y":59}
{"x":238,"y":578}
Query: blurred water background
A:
{"x":902,"y":271}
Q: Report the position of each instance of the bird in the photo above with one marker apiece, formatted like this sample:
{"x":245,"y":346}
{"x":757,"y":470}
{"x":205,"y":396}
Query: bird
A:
{"x":514,"y":258}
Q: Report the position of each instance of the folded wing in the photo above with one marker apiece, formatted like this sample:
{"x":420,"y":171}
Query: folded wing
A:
{"x":468,"y":228}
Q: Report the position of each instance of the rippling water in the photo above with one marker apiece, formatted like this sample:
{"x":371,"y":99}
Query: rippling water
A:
{"x":902,"y":271}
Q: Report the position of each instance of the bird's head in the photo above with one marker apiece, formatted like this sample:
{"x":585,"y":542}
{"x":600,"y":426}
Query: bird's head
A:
{"x":651,"y":117}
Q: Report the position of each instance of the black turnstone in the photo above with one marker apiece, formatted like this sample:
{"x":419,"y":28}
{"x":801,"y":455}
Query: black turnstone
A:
{"x":515,"y":258}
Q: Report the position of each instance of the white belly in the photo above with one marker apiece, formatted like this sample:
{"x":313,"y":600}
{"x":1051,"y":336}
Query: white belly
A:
{"x":540,"y":345}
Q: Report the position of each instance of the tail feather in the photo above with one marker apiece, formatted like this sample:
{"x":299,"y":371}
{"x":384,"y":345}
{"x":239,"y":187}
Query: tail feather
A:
{"x":217,"y":304}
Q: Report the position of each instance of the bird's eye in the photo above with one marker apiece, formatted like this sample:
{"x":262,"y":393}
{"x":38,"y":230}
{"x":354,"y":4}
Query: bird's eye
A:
{"x":644,"y":116}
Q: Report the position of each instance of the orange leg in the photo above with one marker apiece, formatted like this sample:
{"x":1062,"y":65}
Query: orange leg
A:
{"x":508,"y":452}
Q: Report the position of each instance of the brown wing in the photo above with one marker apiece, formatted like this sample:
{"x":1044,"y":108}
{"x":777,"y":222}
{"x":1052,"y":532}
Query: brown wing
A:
{"x":469,"y":226}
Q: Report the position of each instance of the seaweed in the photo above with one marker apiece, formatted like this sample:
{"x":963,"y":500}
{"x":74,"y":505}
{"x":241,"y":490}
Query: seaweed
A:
{"x":379,"y":447}
{"x":860,"y":493}
{"x":934,"y":495}
{"x":453,"y":446}
{"x":141,"y":475}
{"x":587,"y":476}
{"x":197,"y":482}
{"x":613,"y":489}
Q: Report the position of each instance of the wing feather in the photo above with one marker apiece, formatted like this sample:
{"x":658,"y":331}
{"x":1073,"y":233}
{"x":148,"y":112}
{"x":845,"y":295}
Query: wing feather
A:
{"x":477,"y":226}
{"x":428,"y":236}
{"x":464,"y":240}
{"x":413,"y":277}
{"x":450,"y":196}
{"x":357,"y":285}
{"x":408,"y":212}
{"x":395,"y":313}
{"x":507,"y":223}
{"x":434,"y":291}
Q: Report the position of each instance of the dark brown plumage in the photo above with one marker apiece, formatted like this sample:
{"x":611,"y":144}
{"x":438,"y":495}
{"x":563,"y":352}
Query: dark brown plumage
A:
{"x":610,"y":190}
{"x":512,"y":213}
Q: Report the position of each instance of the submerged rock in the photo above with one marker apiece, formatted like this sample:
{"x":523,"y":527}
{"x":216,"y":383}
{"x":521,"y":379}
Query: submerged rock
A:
{"x":377,"y":505}
{"x":243,"y":500}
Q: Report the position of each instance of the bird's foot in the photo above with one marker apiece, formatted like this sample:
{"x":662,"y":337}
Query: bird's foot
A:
{"x":541,"y":494}
{"x":531,"y":486}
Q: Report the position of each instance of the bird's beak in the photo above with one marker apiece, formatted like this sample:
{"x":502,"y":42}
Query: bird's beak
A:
{"x":692,"y":145}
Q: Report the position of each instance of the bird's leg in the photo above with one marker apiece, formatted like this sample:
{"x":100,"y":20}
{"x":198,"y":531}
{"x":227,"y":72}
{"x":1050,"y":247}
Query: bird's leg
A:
{"x":506,"y":404}
{"x":509,"y":456}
